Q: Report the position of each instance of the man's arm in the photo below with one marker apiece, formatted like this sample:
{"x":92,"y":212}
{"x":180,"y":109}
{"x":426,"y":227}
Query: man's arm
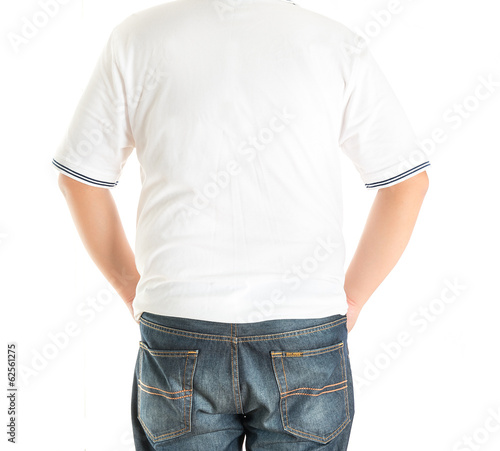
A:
{"x":100,"y":228}
{"x":387,"y":231}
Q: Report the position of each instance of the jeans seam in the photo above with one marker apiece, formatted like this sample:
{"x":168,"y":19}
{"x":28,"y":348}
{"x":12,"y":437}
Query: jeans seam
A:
{"x":237,"y":368}
{"x":184,"y":387}
{"x":232,"y":371}
{"x":286,"y":386}
{"x":195,"y":361}
{"x":235,"y":371}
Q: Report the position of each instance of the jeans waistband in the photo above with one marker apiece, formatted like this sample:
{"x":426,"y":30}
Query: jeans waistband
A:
{"x":262,"y":330}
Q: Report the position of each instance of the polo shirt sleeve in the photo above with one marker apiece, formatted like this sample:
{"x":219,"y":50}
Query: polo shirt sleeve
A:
{"x":99,"y":138}
{"x":375,"y":133}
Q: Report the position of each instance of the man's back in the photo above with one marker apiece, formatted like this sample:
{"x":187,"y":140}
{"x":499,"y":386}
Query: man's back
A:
{"x":238,"y":112}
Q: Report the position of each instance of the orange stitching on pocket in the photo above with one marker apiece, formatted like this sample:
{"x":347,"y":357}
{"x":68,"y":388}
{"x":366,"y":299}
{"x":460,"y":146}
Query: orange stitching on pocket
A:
{"x":165,"y":353}
{"x":164,"y":391}
{"x":328,"y":437}
{"x":317,"y":394}
{"x":168,"y":397}
{"x":159,"y":437}
{"x":309,"y":388}
{"x":329,"y":349}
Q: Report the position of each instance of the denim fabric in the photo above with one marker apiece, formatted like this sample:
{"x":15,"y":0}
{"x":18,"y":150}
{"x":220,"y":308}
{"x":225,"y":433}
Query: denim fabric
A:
{"x":282,"y":384}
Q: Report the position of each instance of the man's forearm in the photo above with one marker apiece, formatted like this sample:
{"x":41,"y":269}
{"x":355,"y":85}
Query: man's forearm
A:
{"x":387,"y":231}
{"x":100,"y":228}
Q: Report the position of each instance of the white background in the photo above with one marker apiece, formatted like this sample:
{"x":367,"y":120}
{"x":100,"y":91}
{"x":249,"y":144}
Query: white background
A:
{"x":435,"y":390}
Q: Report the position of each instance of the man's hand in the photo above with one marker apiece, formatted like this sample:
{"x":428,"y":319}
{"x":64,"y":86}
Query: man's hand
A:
{"x":353,"y":311}
{"x":131,"y":309}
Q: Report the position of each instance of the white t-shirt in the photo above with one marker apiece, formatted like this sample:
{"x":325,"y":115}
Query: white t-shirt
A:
{"x":238,"y":112}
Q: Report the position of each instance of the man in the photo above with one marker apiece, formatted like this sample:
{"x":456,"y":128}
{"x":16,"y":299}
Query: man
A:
{"x":238,"y":112}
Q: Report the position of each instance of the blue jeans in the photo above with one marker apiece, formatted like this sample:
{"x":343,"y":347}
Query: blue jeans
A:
{"x":282,"y":384}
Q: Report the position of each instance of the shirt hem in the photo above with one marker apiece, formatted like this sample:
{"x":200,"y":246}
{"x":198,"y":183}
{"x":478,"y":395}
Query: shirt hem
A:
{"x":82,"y":177}
{"x":398,"y":178}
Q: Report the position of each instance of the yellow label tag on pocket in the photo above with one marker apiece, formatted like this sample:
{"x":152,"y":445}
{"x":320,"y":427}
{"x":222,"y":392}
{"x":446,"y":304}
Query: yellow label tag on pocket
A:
{"x":293,"y":354}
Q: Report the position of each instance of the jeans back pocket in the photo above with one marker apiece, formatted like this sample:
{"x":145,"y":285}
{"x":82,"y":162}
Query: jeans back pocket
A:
{"x":313,"y":390}
{"x":165,"y":391}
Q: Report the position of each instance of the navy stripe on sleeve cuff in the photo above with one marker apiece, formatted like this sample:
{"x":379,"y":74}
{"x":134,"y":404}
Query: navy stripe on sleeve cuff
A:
{"x":398,"y":177}
{"x":83,"y":177}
